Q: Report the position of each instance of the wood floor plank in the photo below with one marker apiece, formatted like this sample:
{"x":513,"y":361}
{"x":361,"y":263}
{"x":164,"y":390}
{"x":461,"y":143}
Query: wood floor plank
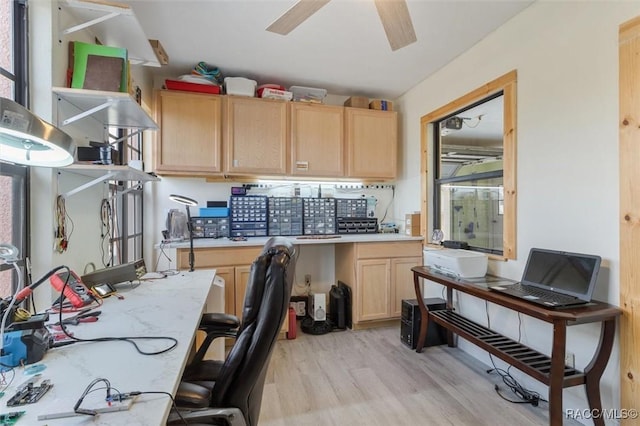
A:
{"x":368,"y":377}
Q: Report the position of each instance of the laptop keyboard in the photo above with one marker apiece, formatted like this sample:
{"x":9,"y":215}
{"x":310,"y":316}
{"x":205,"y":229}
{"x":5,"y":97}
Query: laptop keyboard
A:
{"x":541,"y":294}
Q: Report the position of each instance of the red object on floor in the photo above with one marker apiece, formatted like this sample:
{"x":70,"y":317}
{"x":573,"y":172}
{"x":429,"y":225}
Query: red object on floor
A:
{"x":291,"y":334}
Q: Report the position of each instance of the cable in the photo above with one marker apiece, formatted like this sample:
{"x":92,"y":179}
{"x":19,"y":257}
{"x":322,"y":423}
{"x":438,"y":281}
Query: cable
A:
{"x":90,"y":264}
{"x":77,"y":409}
{"x":61,"y":215}
{"x":169,"y":271}
{"x":527,"y":396}
{"x":129,"y":339}
{"x":5,"y":384}
{"x":13,"y":301}
{"x":106,"y":218}
{"x":393,"y":195}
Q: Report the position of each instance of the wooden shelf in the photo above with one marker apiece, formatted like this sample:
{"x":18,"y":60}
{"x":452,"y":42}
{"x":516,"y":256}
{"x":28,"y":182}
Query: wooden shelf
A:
{"x":101,"y":173}
{"x":114,"y":24}
{"x":115,"y":109}
{"x":525,"y":359}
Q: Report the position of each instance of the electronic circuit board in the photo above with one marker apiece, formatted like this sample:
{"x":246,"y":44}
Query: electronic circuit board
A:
{"x":28,"y":394}
{"x":9,"y":419}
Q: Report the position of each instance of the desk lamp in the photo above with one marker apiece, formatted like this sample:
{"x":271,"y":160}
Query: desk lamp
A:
{"x":188,"y":202}
{"x":27,"y":139}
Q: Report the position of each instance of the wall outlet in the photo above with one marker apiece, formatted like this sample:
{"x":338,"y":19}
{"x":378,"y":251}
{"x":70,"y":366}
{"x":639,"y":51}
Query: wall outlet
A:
{"x":570,"y":360}
{"x":307,"y":280}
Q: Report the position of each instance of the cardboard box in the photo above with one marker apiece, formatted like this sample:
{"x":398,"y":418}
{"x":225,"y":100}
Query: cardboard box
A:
{"x":381,"y":104}
{"x":161,"y":54}
{"x":357,"y":102}
{"x":270,"y":93}
{"x":412,"y":224}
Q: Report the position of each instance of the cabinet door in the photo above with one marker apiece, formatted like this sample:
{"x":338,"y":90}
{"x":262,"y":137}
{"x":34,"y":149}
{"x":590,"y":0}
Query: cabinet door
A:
{"x":374,"y":289}
{"x":317,"y":147}
{"x":256,"y":136}
{"x":190,"y":135}
{"x":229,"y":277}
{"x":372,"y":143}
{"x":402,"y":282}
{"x":241,"y":278}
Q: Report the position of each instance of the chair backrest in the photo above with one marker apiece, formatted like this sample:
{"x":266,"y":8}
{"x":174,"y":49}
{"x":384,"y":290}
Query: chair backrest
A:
{"x":241,"y":380}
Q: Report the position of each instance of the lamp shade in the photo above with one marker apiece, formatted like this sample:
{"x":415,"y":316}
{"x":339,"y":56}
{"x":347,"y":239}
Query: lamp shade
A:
{"x":27,"y":139}
{"x":183,"y":200}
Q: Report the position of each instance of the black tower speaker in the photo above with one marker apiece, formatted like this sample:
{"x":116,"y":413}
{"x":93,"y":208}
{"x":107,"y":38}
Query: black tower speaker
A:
{"x":410,"y":323}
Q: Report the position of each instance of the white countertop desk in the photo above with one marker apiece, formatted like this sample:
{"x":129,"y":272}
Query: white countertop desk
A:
{"x":300,"y":240}
{"x":164,"y":307}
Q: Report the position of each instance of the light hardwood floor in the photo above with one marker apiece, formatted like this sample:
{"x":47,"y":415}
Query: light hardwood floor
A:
{"x":368,"y":377}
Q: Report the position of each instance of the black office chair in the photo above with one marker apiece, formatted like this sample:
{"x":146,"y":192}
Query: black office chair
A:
{"x":230,"y":392}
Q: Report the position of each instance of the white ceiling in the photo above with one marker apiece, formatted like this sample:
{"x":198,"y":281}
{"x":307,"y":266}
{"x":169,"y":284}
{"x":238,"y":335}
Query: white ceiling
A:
{"x":341,"y":48}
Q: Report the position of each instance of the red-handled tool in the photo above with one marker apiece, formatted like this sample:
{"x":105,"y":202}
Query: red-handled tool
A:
{"x":83,"y":317}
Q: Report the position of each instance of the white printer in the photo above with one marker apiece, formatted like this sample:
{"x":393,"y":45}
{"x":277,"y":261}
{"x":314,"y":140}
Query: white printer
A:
{"x":457,"y":262}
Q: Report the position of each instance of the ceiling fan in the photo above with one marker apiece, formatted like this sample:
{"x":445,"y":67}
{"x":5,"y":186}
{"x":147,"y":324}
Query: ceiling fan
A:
{"x":394,"y":15}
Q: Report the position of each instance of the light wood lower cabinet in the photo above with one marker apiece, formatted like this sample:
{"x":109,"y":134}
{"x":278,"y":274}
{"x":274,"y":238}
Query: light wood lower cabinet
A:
{"x":380,"y":277}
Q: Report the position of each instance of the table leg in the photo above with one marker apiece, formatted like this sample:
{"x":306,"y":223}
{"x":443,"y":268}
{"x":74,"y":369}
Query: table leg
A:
{"x":451,"y":342}
{"x":424,"y":314}
{"x":593,"y":371}
{"x":556,"y":378}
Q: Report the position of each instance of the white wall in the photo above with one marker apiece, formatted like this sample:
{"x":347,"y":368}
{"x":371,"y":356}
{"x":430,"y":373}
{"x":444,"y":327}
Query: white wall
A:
{"x":566,"y":56}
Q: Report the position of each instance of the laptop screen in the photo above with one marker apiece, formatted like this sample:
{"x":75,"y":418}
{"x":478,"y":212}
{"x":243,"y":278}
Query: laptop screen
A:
{"x":573,"y":274}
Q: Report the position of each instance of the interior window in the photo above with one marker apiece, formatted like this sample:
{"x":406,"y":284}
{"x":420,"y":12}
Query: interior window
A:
{"x":468,"y":181}
{"x":469,"y":146}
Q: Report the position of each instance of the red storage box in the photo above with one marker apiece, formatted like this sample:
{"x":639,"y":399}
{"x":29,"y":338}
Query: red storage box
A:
{"x":192,"y":87}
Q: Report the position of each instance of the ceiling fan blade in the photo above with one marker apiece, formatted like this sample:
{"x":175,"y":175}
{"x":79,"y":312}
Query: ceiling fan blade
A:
{"x":296,"y":16}
{"x":396,"y":21}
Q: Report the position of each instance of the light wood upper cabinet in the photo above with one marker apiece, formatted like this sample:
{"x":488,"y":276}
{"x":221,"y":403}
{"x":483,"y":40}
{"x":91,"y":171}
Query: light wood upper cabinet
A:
{"x":256,"y":136}
{"x":317,"y":140}
{"x":372,"y":143}
{"x":190,"y":135}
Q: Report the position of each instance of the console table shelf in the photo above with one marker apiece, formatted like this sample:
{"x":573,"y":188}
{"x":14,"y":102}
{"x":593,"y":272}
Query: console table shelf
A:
{"x":522,"y":357}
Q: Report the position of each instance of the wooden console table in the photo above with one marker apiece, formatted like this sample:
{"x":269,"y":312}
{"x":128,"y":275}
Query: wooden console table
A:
{"x":549,"y":370}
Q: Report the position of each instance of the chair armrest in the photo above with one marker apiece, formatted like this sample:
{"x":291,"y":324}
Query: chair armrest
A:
{"x":218,"y":321}
{"x":233,"y":416}
{"x":191,"y":395}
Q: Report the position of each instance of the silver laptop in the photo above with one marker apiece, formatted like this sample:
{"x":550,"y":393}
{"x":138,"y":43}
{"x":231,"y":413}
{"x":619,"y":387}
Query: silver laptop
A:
{"x":556,"y":278}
